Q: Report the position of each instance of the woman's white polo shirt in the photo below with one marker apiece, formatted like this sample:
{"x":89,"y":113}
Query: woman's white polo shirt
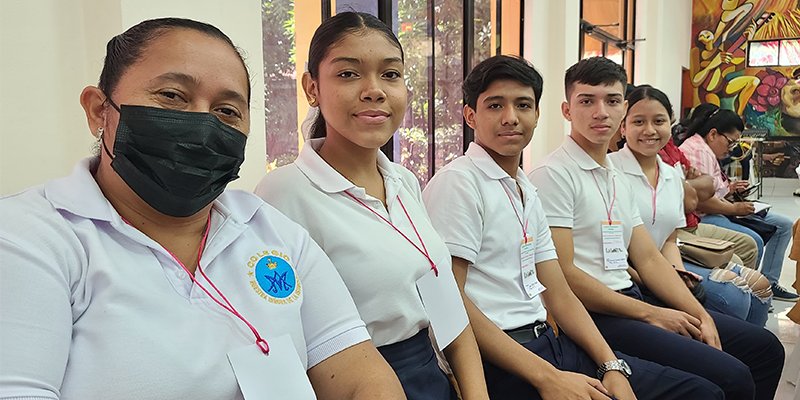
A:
{"x":379,"y":266}
{"x":668,"y":202}
{"x":90,"y":306}
{"x":469,"y":202}
{"x":576,"y":193}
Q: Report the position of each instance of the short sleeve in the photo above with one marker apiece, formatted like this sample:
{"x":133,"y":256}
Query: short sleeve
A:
{"x":559,"y":199}
{"x":330,"y":319}
{"x":545,"y":249}
{"x":35,"y":304}
{"x":679,"y":200}
{"x":455,"y":208}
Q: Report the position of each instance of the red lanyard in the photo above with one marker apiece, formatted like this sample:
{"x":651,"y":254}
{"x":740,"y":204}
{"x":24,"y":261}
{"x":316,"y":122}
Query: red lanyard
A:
{"x":423,"y":250}
{"x":260,"y":342}
{"x":653,"y":192}
{"x":525,"y":225}
{"x":613,"y":199}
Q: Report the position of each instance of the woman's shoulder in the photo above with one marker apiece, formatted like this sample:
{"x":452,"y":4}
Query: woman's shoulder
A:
{"x":39,"y":234}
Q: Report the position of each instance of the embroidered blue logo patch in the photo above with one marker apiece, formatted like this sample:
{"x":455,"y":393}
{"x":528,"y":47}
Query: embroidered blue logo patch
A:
{"x":275,"y":277}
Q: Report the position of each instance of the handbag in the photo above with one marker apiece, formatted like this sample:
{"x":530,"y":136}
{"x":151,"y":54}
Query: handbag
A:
{"x":706,"y":252}
{"x":757,"y":224}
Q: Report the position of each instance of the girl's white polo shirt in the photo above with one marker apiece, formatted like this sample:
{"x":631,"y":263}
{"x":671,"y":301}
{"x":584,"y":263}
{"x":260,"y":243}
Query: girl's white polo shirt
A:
{"x":667,"y":196}
{"x":577,"y":193}
{"x":379,"y":266}
{"x":470,"y":204}
{"x":90,"y":307}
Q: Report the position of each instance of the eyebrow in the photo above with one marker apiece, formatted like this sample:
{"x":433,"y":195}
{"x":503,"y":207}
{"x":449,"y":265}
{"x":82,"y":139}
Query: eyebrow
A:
{"x":353,"y":60}
{"x":496,"y":98}
{"x":665,"y":115}
{"x":189,"y":80}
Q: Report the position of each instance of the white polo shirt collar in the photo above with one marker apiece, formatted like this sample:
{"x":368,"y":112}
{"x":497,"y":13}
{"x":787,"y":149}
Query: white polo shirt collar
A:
{"x":79,"y":194}
{"x":330,"y":181}
{"x":626,"y":162}
{"x":485,"y":163}
{"x":582,"y":158}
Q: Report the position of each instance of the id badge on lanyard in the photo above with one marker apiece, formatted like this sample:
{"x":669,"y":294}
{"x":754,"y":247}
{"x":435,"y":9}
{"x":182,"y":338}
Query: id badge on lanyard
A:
{"x":615,"y":255}
{"x":527,"y":253}
{"x":279,"y":375}
{"x":443,"y":304}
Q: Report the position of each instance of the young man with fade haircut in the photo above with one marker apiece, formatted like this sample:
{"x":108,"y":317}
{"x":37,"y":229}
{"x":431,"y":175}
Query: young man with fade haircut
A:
{"x":597,"y":229}
{"x":492,"y":221}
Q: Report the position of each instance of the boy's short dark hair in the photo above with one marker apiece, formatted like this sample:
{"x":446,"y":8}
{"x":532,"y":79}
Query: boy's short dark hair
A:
{"x":594,"y":71}
{"x":497,"y":68}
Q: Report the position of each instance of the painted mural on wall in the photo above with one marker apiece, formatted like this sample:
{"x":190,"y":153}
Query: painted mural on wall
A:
{"x":767,"y":97}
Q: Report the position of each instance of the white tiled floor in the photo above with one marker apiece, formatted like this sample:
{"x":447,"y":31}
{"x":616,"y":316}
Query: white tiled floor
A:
{"x":778,"y":192}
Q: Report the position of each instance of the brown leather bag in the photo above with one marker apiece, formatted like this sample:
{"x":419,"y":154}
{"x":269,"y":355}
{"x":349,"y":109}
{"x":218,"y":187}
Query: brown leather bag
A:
{"x":706,"y":252}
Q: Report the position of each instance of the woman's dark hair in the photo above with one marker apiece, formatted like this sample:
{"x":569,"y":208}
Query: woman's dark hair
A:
{"x":704,"y":119}
{"x":501,"y":67}
{"x":126,"y":49}
{"x":646,"y":92}
{"x":680,"y":131}
{"x":331,"y":32}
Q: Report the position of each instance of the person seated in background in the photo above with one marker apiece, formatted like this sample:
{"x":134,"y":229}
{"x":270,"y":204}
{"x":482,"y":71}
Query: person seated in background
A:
{"x":366,"y":212}
{"x":794,"y":254}
{"x":139,"y":276}
{"x":735,"y":290}
{"x":491,"y":219}
{"x":598,"y":234}
{"x":713,"y":133}
{"x":697,"y":188}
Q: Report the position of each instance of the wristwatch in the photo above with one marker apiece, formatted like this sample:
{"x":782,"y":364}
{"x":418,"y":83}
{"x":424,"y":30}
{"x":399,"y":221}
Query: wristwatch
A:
{"x":614,"y":365}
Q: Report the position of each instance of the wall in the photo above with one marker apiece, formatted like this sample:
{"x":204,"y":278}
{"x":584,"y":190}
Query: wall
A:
{"x":52,"y":49}
{"x":551,"y":54}
{"x":665,"y":25}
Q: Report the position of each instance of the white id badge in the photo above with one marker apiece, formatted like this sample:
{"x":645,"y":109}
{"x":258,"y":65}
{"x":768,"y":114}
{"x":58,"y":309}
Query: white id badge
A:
{"x":443,"y":304}
{"x":527,"y":253}
{"x":279,"y":375}
{"x":615,"y":255}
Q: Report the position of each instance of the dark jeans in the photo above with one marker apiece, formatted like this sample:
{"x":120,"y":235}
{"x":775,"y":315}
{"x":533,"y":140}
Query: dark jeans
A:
{"x":648,"y":381}
{"x":748,"y":368}
{"x":415,"y":364}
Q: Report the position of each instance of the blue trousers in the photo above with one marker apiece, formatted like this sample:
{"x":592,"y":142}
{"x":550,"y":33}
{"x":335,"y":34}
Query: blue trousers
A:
{"x":749,"y":367}
{"x":648,"y":381}
{"x":774,"y":251}
{"x":730,"y":299}
{"x":415,"y":364}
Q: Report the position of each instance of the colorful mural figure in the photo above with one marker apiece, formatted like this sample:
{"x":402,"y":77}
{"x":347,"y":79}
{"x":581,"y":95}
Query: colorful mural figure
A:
{"x":766,"y":97}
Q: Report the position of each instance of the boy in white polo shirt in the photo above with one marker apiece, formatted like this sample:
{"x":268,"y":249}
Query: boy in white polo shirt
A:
{"x":596,"y":227}
{"x":483,"y":206}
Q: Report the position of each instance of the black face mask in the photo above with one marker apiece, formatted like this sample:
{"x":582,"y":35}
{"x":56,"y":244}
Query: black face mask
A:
{"x":176,"y":161}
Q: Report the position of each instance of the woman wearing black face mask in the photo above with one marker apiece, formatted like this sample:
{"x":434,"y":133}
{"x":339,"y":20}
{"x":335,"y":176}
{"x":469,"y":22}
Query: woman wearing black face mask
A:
{"x":139,"y":276}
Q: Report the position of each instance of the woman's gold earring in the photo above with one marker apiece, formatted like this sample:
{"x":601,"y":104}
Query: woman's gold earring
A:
{"x":313,"y":102}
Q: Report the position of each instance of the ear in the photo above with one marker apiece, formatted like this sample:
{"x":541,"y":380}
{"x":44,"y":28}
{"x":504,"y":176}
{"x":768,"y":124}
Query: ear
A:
{"x":536,"y":119}
{"x":311,"y":89}
{"x":469,"y":116}
{"x":93,"y":101}
{"x":565,"y":111}
{"x":714,"y":132}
